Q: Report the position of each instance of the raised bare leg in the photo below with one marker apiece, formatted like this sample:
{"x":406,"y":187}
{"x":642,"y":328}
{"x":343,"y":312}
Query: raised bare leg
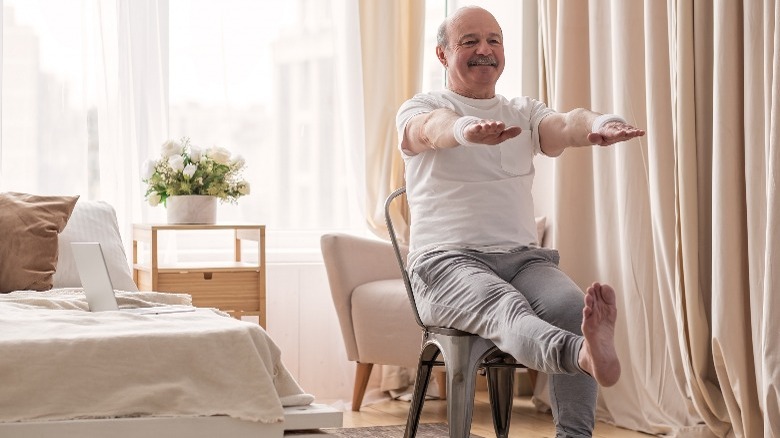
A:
{"x":597,"y":355}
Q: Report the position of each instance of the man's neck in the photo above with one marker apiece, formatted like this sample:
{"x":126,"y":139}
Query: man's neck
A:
{"x":474,"y":94}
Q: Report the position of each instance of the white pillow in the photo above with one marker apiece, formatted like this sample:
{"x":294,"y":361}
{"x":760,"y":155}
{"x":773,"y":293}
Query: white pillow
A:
{"x":93,"y":221}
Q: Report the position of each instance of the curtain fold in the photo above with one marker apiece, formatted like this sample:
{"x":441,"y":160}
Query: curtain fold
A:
{"x":391,"y":35}
{"x":681,"y":221}
{"x":693,"y":110}
{"x":391,"y":38}
{"x":130,"y":84}
{"x":619,"y":228}
{"x":762,"y":169}
{"x":764,"y":217}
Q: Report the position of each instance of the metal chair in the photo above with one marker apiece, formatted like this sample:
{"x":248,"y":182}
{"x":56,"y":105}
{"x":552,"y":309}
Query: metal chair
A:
{"x":463,"y":355}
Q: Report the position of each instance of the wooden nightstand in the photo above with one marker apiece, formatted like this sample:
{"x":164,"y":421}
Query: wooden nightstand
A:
{"x":235,"y":286}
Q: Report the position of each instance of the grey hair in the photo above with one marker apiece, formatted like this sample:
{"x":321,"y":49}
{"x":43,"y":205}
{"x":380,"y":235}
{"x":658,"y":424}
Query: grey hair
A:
{"x":441,"y":34}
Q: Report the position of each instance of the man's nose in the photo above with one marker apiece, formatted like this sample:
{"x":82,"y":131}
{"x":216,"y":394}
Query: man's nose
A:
{"x":483,"y":48}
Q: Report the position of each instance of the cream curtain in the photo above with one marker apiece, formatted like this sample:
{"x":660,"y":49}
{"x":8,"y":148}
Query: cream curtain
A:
{"x":391,"y":35}
{"x":391,"y":38}
{"x":683,"y":221}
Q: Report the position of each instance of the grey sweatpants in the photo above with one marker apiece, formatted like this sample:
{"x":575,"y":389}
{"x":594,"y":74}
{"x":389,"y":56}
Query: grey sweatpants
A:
{"x":528,"y":307}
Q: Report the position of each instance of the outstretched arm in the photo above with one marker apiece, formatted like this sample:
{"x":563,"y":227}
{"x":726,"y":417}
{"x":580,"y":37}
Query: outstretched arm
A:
{"x":575,"y":128}
{"x":437,"y":130}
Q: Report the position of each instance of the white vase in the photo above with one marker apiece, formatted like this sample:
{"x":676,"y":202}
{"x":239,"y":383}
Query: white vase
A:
{"x":192,"y":209}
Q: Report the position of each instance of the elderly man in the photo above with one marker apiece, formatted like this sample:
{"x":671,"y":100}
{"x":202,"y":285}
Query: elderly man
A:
{"x":474,"y":260}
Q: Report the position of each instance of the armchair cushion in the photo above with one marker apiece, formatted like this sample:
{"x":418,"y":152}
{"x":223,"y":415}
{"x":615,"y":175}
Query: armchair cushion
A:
{"x":351,"y":261}
{"x":381,"y":316}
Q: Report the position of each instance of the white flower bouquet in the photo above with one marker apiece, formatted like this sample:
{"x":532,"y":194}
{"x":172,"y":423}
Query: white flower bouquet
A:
{"x":185,"y":169}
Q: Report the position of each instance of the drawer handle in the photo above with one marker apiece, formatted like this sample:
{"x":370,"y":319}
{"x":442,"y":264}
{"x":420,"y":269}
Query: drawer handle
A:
{"x":207,"y":275}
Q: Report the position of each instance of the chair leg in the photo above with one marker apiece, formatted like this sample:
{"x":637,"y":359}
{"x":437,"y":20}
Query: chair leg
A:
{"x":462,"y":355}
{"x":500,"y":387}
{"x":424,"y":369}
{"x":362,"y":375}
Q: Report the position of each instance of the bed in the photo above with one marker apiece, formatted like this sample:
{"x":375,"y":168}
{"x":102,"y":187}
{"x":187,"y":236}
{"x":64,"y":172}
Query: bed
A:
{"x":65,"y":371}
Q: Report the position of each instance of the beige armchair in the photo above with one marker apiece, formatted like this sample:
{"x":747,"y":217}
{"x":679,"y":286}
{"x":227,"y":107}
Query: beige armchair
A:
{"x":373,"y":309}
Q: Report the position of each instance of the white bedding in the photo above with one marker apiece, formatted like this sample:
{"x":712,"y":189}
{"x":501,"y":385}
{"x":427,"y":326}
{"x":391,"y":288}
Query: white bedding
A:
{"x":58,"y":361}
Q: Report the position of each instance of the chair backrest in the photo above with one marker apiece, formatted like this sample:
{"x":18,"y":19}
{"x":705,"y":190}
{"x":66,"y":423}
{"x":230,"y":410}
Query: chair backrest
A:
{"x":397,"y":249}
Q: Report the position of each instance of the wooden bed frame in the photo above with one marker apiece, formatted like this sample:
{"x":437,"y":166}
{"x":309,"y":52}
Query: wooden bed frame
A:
{"x":314,"y":416}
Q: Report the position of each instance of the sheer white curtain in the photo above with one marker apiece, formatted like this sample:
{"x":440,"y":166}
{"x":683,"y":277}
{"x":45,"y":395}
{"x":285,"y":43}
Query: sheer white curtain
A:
{"x":129,"y":63}
{"x":83,"y":94}
{"x":45,"y":110}
{"x":278,"y":83}
{"x":96,"y":87}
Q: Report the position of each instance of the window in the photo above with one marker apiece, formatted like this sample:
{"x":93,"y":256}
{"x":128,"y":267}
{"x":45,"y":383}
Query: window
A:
{"x":47,"y":117}
{"x":264,"y":85}
{"x":257,"y":77}
{"x":263,"y":78}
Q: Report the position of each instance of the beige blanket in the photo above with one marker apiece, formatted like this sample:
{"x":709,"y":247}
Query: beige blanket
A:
{"x":59,"y":361}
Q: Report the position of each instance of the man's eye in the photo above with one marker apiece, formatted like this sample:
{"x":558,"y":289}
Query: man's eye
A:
{"x":469,"y":43}
{"x":494,"y":41}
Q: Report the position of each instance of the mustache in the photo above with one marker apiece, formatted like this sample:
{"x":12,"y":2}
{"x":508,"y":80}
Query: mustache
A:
{"x":483,"y":60}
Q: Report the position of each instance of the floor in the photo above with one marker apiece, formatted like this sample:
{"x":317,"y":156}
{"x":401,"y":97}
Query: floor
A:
{"x":526,"y":421}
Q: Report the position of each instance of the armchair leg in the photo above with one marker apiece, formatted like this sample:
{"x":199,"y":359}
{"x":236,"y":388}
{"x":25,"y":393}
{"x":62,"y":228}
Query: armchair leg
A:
{"x":362,"y":374}
{"x":532,"y":374}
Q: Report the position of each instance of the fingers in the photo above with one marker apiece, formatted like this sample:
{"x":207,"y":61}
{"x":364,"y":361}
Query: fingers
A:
{"x":595,"y":138}
{"x":614,"y":132}
{"x":488,"y":127}
{"x":491,"y":132}
{"x":510,"y":132}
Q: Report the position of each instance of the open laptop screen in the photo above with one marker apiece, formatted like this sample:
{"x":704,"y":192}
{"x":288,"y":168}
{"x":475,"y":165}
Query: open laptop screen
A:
{"x":94,"y":276}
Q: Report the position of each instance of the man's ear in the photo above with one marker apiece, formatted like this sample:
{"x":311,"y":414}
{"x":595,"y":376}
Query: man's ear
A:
{"x":441,"y":56}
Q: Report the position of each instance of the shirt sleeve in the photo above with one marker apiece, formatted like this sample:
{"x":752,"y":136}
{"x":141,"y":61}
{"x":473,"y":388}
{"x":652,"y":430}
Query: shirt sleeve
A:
{"x":419,"y":104}
{"x":538,"y":112}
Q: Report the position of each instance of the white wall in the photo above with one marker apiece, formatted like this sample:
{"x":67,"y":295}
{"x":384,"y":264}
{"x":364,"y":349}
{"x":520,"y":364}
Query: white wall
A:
{"x":302,"y":321}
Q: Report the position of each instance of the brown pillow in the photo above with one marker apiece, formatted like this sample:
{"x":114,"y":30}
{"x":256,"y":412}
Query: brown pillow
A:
{"x":29,"y":225}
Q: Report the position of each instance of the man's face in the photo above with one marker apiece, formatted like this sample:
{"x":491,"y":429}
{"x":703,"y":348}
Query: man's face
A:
{"x":474,"y":56}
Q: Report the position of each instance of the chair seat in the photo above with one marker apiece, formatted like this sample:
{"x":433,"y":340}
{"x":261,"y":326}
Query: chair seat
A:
{"x":447,"y":331}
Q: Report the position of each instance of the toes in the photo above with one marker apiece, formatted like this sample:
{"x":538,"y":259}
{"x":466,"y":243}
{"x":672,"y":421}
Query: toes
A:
{"x":608,"y":295}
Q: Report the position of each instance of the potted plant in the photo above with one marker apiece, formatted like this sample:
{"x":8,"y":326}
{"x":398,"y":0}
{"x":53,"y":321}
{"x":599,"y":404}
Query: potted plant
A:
{"x":189,"y":180}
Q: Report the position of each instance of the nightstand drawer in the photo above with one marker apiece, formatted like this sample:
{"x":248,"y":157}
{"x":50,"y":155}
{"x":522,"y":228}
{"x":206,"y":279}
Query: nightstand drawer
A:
{"x":224,"y":290}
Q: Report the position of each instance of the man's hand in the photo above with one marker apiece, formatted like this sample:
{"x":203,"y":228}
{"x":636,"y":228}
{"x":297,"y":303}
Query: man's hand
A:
{"x":436,"y":130}
{"x":614,"y":132}
{"x":490,"y":132}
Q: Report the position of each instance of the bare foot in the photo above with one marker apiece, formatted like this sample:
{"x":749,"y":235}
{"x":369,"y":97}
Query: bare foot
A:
{"x":597,"y":355}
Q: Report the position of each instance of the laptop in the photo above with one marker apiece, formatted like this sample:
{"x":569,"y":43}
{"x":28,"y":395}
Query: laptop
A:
{"x":96,"y":282}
